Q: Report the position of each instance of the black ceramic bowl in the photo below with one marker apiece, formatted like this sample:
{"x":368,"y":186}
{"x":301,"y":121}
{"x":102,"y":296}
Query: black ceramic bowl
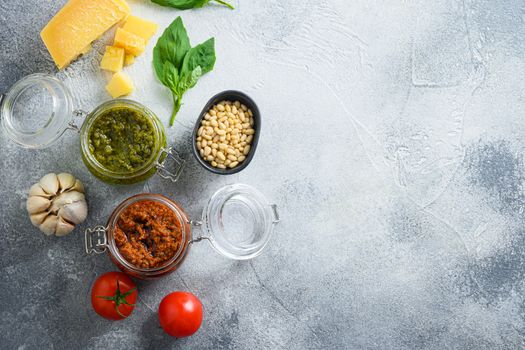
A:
{"x":233,"y":96}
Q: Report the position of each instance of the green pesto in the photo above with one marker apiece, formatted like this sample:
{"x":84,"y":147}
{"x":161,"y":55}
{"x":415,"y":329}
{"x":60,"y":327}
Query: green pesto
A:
{"x":122,"y":139}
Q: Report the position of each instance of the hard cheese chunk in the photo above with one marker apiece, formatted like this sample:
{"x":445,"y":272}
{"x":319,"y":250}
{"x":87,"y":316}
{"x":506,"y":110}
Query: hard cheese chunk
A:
{"x":113,"y":59}
{"x":78,"y":24}
{"x":119,"y":85}
{"x":129,"y":59}
{"x":131,"y":43}
{"x":141,"y":27}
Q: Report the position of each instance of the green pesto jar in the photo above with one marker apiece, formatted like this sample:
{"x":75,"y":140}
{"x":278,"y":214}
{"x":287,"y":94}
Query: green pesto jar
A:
{"x":38,"y":109}
{"x":123,"y":142}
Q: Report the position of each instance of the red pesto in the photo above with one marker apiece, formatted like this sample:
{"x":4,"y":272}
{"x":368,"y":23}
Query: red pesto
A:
{"x":148,"y":234}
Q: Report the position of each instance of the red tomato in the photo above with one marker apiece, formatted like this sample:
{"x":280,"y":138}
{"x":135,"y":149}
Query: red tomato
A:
{"x":114,"y":295}
{"x":180,"y":314}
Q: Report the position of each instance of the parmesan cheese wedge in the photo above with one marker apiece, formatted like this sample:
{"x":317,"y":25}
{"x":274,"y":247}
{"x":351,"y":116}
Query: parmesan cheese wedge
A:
{"x":80,"y":22}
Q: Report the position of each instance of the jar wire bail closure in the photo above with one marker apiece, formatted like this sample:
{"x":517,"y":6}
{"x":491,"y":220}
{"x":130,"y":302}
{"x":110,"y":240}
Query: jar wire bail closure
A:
{"x":96,"y":240}
{"x":198,"y":223}
{"x":166,"y":156}
{"x":276,"y":216}
{"x":77,"y":113}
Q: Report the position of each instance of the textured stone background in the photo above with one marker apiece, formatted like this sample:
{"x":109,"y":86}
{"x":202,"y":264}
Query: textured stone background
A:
{"x":392,"y":142}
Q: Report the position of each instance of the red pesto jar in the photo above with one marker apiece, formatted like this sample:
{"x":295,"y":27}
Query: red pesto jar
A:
{"x":237,"y":220}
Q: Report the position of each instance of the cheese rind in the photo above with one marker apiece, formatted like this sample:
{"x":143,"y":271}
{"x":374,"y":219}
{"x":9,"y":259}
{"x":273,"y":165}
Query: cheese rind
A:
{"x":141,"y":27}
{"x":113,"y":59}
{"x":131,"y":43}
{"x":120,"y":85}
{"x":78,"y":24}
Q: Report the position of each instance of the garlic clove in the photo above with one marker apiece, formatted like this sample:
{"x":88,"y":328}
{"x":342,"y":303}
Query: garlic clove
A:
{"x":49,"y":183}
{"x":37,"y":219}
{"x":63,"y":227}
{"x":75,"y":212}
{"x":49,"y":225}
{"x":36,"y":190}
{"x":79,"y":186}
{"x":66,"y":181}
{"x":66,"y":198}
{"x":37,"y":204}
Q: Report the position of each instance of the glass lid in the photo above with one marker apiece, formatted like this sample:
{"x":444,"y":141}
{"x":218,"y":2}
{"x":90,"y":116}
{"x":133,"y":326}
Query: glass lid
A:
{"x":239,"y":221}
{"x":36,"y":110}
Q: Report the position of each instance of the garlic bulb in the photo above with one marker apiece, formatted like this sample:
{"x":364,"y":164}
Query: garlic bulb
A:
{"x":57,"y":203}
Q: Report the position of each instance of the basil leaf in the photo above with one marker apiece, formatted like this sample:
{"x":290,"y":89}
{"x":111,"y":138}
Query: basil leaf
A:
{"x":202,"y":55}
{"x":179,"y":66}
{"x":188,"y":4}
{"x":172,"y":46}
{"x":189,"y":79}
{"x":182,"y":4}
{"x":170,"y":75}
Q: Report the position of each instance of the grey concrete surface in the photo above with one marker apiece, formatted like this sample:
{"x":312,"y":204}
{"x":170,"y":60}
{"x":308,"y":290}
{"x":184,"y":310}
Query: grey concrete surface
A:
{"x":392,"y":143}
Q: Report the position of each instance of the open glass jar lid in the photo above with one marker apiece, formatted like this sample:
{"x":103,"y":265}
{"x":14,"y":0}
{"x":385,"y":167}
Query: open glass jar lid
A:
{"x":149,"y":235}
{"x":238,"y":220}
{"x":36,"y":111}
{"x":121,"y":141}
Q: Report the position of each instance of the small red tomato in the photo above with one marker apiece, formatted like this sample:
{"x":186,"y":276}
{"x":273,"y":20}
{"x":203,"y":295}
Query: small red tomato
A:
{"x":114,"y":295}
{"x":180,"y":314}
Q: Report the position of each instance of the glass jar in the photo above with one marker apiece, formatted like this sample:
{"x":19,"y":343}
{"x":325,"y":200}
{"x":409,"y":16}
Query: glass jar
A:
{"x":237,"y":220}
{"x":38,"y":109}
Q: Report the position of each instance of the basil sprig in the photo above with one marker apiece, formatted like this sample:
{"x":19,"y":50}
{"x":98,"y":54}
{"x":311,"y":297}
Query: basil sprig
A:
{"x":188,"y":4}
{"x":178,"y":65}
